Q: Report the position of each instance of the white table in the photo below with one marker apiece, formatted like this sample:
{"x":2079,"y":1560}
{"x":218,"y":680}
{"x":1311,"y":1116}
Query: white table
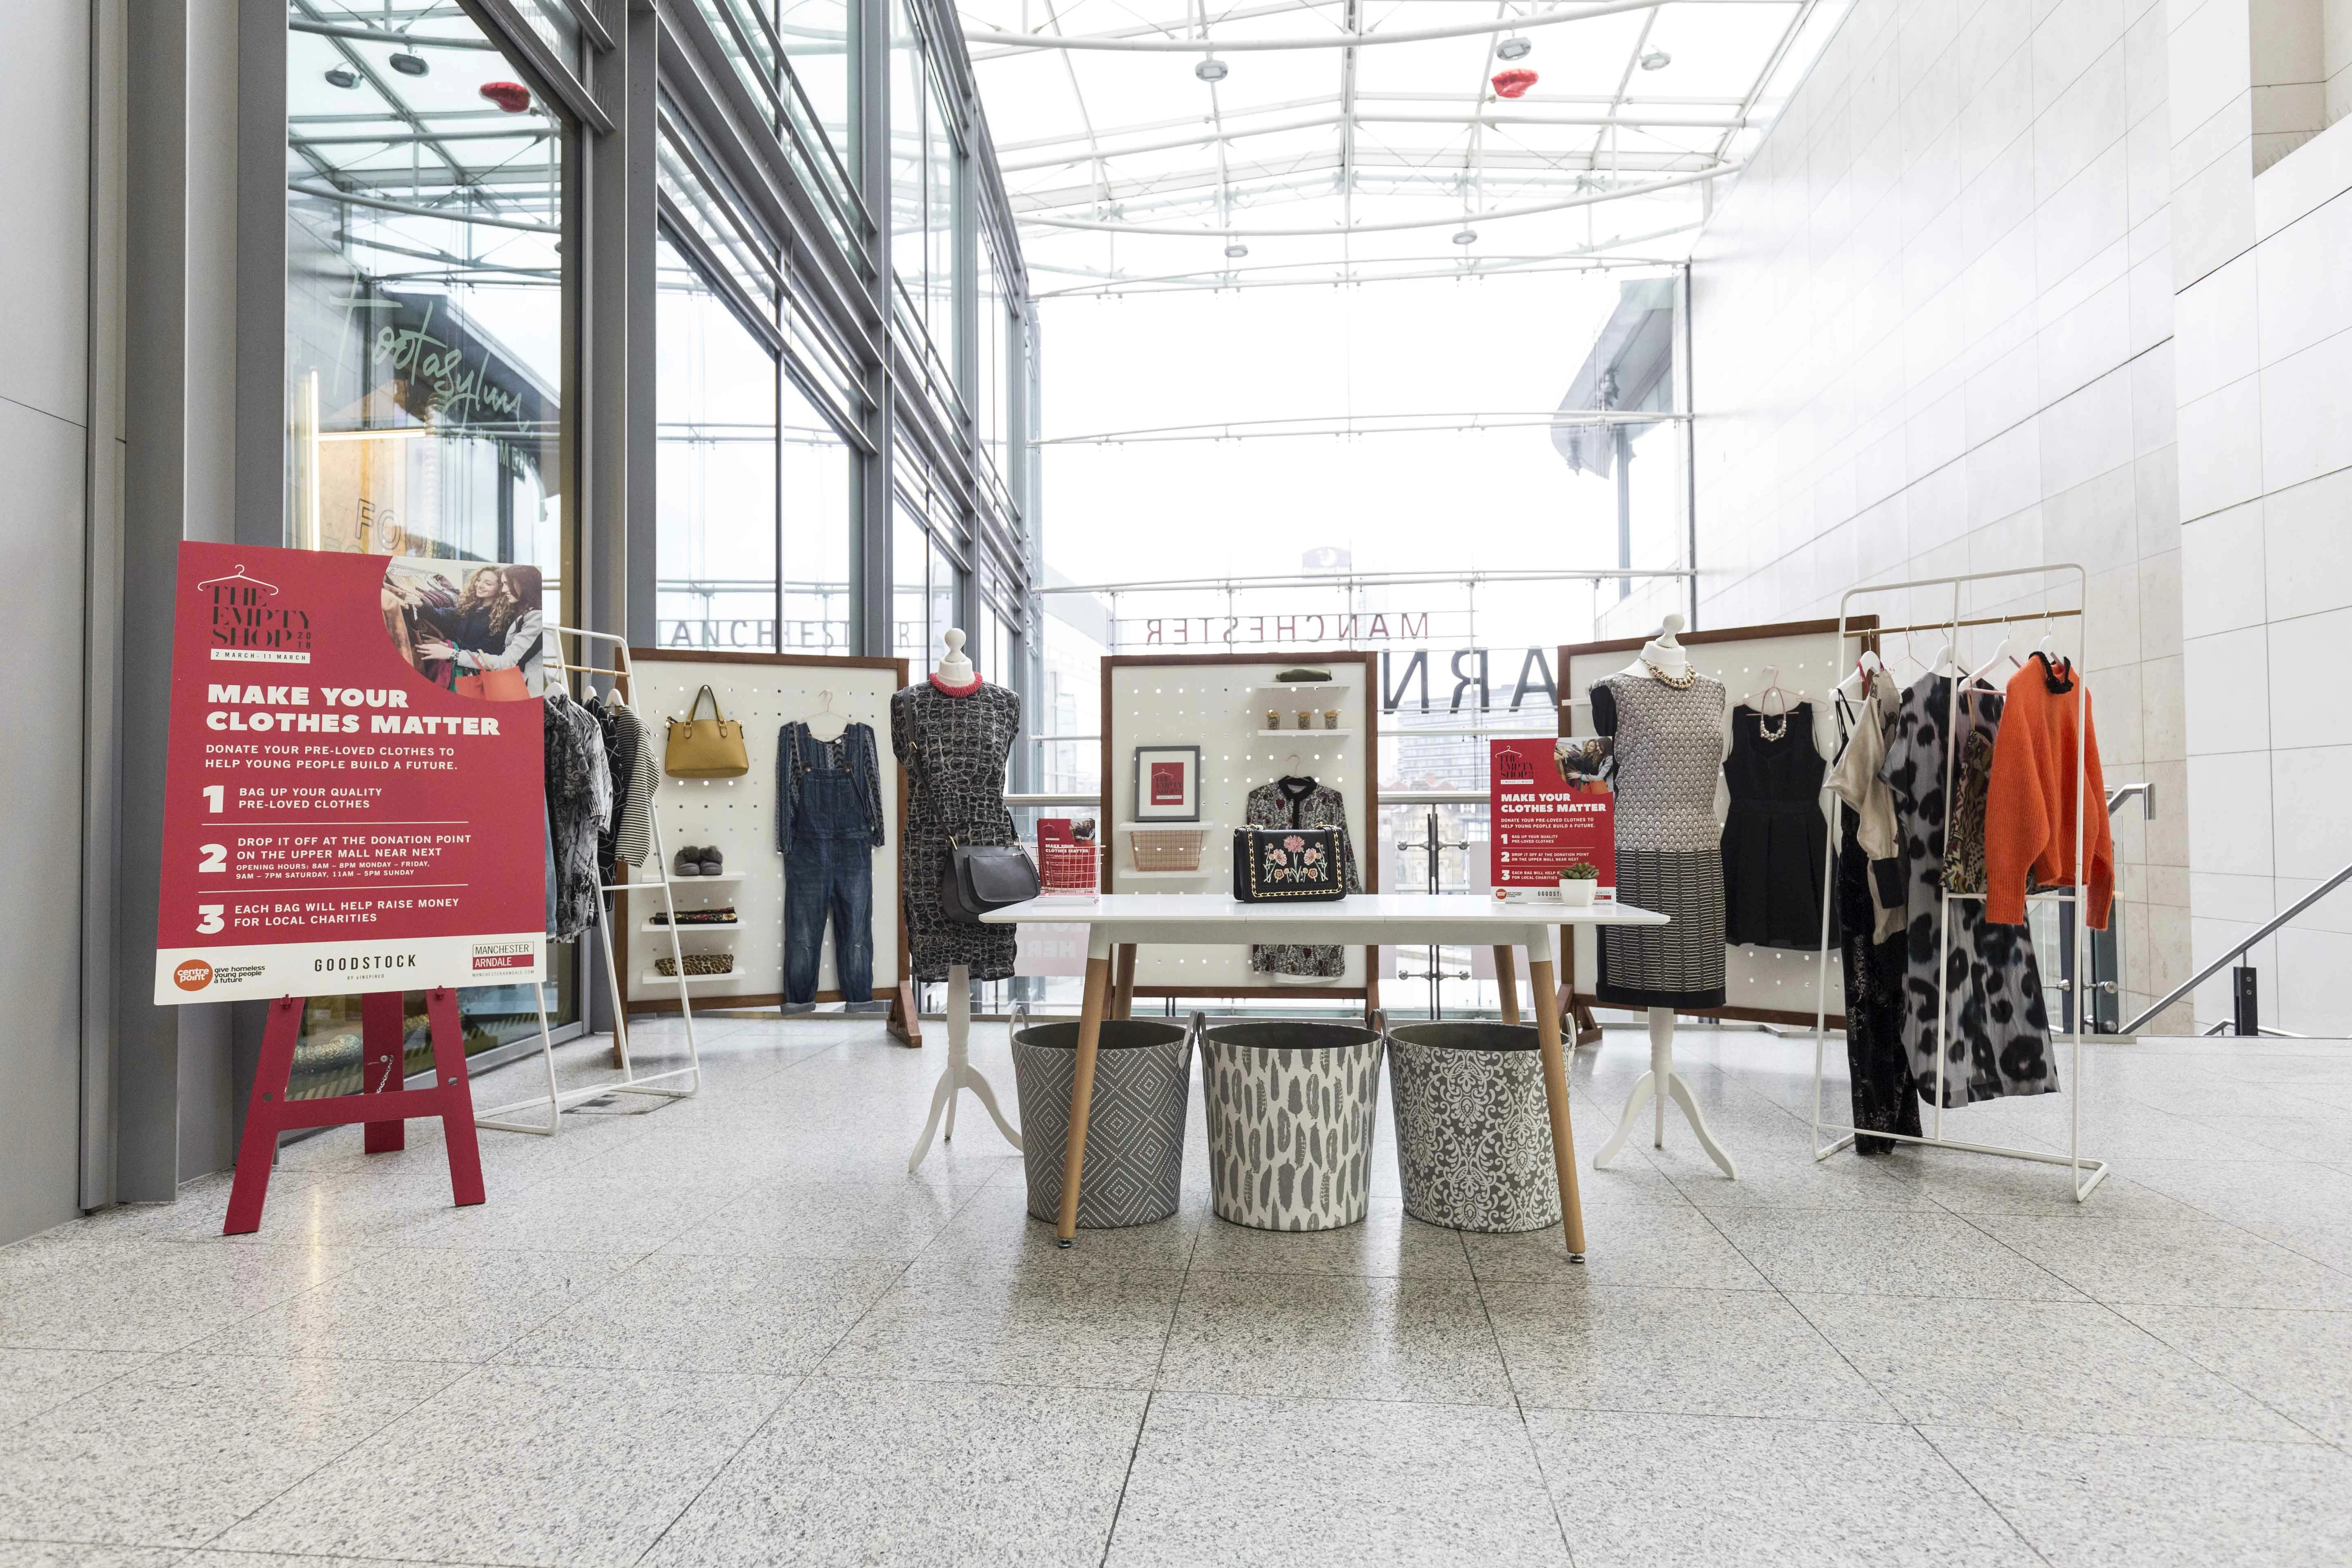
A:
{"x":1127,"y":921}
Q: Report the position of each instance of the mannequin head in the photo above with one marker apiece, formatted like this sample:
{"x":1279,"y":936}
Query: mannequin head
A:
{"x":953,"y":667}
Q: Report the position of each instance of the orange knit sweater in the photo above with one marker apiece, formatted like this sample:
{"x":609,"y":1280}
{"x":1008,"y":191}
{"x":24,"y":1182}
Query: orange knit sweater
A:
{"x":2030,"y":807}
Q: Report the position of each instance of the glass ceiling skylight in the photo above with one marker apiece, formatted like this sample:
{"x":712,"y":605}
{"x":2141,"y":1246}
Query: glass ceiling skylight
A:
{"x":1164,"y":144}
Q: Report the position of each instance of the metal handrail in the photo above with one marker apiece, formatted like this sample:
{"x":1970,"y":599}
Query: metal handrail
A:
{"x":2260,"y":932}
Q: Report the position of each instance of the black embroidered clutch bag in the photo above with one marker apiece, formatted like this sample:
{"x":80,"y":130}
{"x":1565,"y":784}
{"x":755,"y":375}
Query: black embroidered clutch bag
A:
{"x":1278,"y":864}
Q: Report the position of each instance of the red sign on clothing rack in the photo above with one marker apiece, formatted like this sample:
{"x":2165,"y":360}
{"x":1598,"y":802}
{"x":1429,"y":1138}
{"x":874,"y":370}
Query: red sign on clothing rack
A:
{"x":1543,"y":821}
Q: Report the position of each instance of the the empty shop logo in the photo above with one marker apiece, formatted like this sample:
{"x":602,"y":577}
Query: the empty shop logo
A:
{"x":1514,"y":767}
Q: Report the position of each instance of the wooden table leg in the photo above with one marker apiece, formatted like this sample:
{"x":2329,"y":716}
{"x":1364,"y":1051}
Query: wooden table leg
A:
{"x":1555,"y":1071}
{"x":1123,"y":989}
{"x":1082,"y":1094}
{"x":1588,"y":1028}
{"x":1506,"y":981}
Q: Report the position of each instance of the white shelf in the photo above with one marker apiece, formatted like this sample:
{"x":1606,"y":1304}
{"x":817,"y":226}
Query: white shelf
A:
{"x":1319,"y":688}
{"x":1305,"y":734}
{"x":690,"y":883}
{"x":690,"y":927}
{"x":1155,"y":826}
{"x":655,"y":977}
{"x":1123,"y":876}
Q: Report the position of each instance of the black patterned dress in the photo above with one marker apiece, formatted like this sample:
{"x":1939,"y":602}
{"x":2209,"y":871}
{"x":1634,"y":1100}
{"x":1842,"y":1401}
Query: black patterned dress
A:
{"x":953,"y":749}
{"x":1303,"y":803}
{"x":1998,"y":1030}
{"x":1665,"y":756}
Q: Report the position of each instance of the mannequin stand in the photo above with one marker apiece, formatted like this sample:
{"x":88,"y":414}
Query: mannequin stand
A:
{"x":959,"y":1073}
{"x":1646,"y":1092}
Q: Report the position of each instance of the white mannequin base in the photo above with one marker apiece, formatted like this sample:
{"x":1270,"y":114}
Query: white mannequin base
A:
{"x":960,"y":1074}
{"x":1646,"y":1092}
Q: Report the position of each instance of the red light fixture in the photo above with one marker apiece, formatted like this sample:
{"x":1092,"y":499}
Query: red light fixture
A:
{"x":510,"y":96}
{"x":1513,"y":82}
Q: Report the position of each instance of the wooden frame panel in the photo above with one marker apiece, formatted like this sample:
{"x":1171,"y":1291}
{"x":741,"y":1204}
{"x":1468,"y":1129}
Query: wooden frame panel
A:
{"x":902,"y":983}
{"x":1370,"y":864}
{"x":1583,"y":1002}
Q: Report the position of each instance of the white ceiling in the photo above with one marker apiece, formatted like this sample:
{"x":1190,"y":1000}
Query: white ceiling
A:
{"x":1330,"y":153}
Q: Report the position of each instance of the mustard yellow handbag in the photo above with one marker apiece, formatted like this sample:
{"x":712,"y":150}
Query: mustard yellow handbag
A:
{"x":708,"y":748}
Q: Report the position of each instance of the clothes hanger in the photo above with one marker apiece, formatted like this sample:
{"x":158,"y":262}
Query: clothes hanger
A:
{"x":1978,"y":674}
{"x":814,"y":722}
{"x":1770,"y":688}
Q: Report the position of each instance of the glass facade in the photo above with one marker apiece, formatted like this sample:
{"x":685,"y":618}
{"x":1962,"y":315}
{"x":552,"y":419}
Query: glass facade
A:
{"x":428,"y":343}
{"x":715,"y":469}
{"x":440,"y":326}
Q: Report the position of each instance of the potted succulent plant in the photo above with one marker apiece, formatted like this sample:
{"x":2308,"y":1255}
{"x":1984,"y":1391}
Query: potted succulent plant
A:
{"x":1577,"y":882}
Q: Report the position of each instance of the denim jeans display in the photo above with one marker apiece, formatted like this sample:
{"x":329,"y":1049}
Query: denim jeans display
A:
{"x":829,"y":877}
{"x":832,"y":808}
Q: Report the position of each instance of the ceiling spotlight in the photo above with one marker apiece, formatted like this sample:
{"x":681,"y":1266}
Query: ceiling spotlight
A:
{"x":409,"y":65}
{"x":1656,"y":61}
{"x":341,"y":77}
{"x":1210,"y":70}
{"x":1515,"y":49}
{"x":1235,"y":251}
{"x":1465,"y":237}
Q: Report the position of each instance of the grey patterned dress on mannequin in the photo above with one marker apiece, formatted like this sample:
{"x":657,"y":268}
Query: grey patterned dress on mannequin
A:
{"x":1665,"y":757}
{"x":953,"y":749}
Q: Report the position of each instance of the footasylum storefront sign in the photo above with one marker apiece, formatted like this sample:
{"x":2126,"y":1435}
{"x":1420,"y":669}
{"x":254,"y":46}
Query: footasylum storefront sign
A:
{"x":340,"y":818}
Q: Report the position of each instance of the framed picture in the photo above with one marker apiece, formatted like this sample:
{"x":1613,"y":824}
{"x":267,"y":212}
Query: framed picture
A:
{"x":1167,"y":783}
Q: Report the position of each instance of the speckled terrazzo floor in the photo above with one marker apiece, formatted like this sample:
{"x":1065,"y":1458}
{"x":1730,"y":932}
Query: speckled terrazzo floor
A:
{"x":734,"y":1330}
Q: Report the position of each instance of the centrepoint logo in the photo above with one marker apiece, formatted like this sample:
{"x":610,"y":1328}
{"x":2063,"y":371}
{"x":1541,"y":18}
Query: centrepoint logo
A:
{"x":193,"y":976}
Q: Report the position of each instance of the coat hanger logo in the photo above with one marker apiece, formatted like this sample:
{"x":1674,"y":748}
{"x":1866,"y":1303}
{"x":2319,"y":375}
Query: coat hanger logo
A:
{"x":239,"y":575}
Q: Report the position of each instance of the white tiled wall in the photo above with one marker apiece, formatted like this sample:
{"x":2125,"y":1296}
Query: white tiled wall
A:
{"x":1934,"y":332}
{"x":2265,"y":298}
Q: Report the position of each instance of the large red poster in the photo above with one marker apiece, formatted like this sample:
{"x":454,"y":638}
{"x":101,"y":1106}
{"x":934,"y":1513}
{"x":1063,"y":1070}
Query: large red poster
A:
{"x":1542,"y":822}
{"x":339,"y":817}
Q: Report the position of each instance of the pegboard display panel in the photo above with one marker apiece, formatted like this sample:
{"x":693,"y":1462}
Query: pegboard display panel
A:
{"x":1755,"y":979}
{"x":763,"y":693}
{"x":1222,"y":705}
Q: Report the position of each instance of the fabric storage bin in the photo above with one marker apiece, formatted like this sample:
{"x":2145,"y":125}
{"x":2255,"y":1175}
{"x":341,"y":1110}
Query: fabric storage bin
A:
{"x":1291,"y":1107}
{"x":1135,"y":1124}
{"x":1474,"y":1133}
{"x":1167,"y":849}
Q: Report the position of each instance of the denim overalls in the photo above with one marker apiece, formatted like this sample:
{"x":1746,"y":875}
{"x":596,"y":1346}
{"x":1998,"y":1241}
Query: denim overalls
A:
{"x":828,"y":869}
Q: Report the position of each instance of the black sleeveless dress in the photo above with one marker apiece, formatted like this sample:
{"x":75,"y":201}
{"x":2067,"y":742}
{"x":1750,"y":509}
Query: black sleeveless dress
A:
{"x":1776,"y":838}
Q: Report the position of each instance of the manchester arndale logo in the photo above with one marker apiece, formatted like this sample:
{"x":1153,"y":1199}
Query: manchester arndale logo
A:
{"x":193,"y":976}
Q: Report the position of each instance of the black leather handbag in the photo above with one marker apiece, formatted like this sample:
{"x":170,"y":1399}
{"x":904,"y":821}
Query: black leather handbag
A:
{"x":1281,"y":865}
{"x":979,"y":877}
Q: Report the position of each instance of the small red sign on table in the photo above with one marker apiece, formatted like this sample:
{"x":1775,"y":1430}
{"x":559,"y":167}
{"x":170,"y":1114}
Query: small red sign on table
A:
{"x":1543,"y":821}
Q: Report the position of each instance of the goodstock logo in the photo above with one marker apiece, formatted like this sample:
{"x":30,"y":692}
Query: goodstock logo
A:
{"x":193,"y":976}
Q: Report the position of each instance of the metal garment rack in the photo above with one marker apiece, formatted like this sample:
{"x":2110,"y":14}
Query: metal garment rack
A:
{"x":2080,"y":909}
{"x":558,"y":1100}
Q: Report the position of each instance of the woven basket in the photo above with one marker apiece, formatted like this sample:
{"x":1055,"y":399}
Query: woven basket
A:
{"x":1167,"y":849}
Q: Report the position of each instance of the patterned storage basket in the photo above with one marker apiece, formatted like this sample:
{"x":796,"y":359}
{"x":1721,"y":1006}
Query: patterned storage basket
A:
{"x":1167,"y":849}
{"x":1135,"y":1125}
{"x":1291,"y":1108}
{"x":1473,"y":1135}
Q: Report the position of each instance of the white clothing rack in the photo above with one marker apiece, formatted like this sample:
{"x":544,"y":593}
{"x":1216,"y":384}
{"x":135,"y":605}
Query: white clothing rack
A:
{"x":2072,"y":985}
{"x":558,"y":1100}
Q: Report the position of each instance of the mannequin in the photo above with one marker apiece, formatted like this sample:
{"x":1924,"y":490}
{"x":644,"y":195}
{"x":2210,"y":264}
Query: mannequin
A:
{"x":1664,"y":658}
{"x":955,"y":670}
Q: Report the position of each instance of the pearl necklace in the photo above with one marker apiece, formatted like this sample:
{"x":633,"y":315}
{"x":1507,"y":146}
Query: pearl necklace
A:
{"x":1683,"y":682}
{"x":1764,"y":727}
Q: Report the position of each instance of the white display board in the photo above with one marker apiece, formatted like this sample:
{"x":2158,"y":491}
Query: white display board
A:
{"x":1220,"y":703}
{"x":763,"y":693}
{"x":1775,"y":983}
